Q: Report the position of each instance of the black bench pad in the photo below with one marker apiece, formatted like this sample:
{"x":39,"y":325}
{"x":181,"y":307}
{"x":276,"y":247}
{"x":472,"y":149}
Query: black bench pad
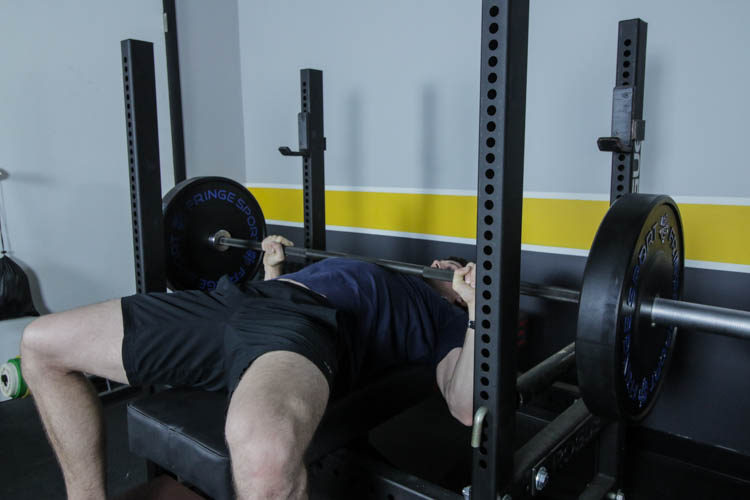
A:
{"x":182,"y":430}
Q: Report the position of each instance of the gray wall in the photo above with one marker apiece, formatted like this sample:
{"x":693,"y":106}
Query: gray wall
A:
{"x":65,"y":203}
{"x":694,"y":103}
{"x":400,"y":89}
{"x":401,"y":92}
{"x":209,"y":50}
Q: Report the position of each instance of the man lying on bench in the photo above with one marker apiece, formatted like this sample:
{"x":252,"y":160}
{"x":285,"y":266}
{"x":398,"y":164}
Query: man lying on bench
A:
{"x":280,"y":347}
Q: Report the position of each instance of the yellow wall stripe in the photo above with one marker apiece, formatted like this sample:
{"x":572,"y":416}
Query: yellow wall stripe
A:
{"x":443,"y":215}
{"x":716,"y":233}
{"x":281,"y":204}
{"x":713,"y":233}
{"x":561,"y":223}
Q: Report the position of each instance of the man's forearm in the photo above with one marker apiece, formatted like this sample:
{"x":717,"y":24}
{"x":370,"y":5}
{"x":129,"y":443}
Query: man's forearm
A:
{"x":272,"y":272}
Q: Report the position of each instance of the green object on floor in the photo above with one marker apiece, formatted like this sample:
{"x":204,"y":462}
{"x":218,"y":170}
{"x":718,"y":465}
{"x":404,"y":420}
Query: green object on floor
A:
{"x":12,"y":384}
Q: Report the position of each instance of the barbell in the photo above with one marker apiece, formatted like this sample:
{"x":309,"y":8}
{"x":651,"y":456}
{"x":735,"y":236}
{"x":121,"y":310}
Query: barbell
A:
{"x":629,"y":305}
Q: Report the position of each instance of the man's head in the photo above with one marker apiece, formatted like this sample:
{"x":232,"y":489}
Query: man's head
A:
{"x":445,"y":288}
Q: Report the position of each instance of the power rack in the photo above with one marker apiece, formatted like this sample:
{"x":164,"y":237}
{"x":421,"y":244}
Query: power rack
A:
{"x":175,"y":90}
{"x":143,"y":161}
{"x":502,"y":122}
{"x":312,"y":146}
{"x":498,"y":469}
{"x":139,"y":84}
{"x":628,"y":126}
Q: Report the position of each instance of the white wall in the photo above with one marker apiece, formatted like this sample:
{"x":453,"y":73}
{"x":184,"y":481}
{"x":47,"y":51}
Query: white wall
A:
{"x":65,"y":203}
{"x":401,"y":92}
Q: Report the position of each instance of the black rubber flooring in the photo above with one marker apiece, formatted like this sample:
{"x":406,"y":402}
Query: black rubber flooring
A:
{"x":28,"y":468}
{"x":424,"y":442}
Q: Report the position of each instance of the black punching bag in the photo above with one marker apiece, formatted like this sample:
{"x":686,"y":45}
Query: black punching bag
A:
{"x":15,"y":294}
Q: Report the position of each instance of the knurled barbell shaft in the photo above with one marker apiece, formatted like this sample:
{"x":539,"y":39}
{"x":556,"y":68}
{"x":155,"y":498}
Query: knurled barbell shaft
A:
{"x":718,"y":320}
{"x":531,"y":289}
{"x":310,"y":253}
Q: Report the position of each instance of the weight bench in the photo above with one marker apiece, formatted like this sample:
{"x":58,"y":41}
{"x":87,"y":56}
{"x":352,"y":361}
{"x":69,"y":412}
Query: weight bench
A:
{"x":182,"y":430}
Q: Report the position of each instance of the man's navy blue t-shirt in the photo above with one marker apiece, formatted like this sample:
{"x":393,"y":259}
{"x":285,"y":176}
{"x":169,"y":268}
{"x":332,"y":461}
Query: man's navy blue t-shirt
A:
{"x":390,"y":318}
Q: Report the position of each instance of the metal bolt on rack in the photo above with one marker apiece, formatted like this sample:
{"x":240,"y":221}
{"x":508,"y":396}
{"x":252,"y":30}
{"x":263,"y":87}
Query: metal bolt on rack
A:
{"x":618,"y":495}
{"x":541,"y":479}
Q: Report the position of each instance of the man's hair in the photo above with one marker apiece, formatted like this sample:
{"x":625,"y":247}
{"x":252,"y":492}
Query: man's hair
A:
{"x":460,"y":260}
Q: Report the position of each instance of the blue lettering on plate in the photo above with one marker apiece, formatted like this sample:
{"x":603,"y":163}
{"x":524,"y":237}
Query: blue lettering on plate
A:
{"x":667,"y":239}
{"x":249,"y":257}
{"x":207,"y":284}
{"x":664,"y":233}
{"x":650,"y":236}
{"x":636,"y":272}
{"x":631,"y":296}
{"x":642,"y":254}
{"x":643,"y":393}
{"x":178,"y":221}
{"x":238,"y":275}
{"x":626,"y":346}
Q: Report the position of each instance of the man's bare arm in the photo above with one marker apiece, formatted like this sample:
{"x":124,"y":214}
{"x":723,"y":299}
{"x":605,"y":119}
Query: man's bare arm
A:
{"x":455,"y":372}
{"x":456,"y":379}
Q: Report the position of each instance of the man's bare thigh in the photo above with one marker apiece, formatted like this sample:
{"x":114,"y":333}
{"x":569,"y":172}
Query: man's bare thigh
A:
{"x":87,"y":339}
{"x":282,"y":383}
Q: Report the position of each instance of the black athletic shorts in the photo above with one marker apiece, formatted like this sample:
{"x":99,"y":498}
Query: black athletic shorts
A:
{"x":208,"y":339}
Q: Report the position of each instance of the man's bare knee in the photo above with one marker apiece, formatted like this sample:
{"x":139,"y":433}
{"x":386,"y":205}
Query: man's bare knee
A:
{"x":265,"y":449}
{"x":266,"y":459}
{"x":39,"y":351}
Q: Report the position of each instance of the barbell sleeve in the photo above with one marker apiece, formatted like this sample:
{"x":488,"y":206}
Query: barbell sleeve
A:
{"x":718,"y":320}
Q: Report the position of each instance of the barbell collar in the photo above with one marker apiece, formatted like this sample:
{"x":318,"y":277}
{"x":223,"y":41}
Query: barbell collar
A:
{"x":718,"y":320}
{"x":214,"y":240}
